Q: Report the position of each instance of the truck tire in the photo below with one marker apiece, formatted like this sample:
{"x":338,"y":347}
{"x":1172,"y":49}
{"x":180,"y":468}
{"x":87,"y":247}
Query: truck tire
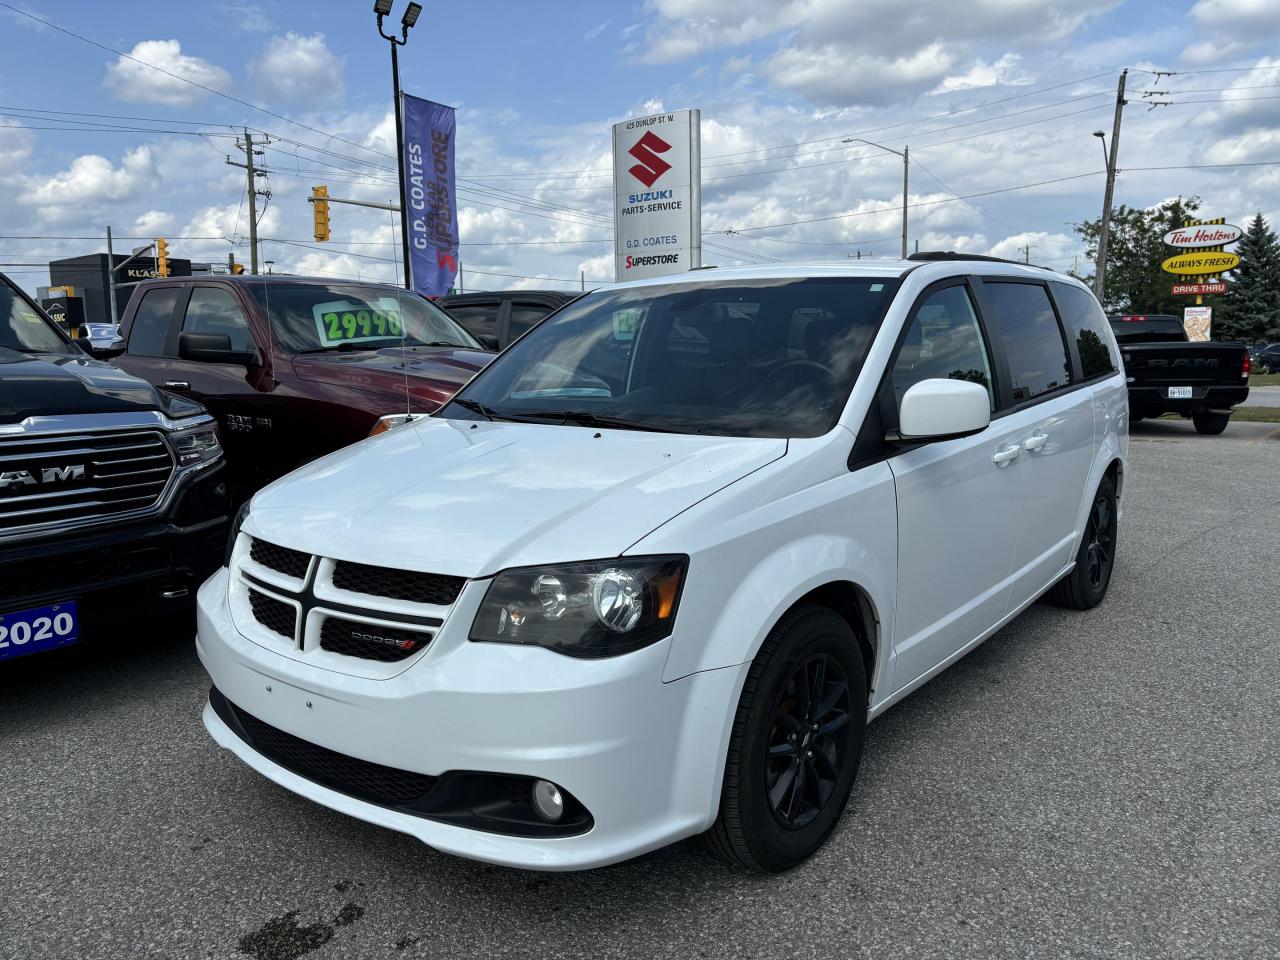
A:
{"x":795,"y":746}
{"x":1086,"y":584}
{"x":1210,"y":423}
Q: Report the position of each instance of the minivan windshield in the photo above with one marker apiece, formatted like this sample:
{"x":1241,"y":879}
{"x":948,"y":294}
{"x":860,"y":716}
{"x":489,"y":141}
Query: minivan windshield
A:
{"x":319,"y":317}
{"x":747,"y":358}
{"x":22,"y":328}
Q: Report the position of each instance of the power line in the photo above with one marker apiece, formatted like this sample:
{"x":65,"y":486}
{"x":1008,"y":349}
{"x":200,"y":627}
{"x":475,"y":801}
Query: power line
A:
{"x":922,"y":203}
{"x":972,"y":206}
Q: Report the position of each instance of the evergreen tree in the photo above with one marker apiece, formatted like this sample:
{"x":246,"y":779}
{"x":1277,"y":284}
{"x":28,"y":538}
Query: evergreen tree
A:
{"x":1253,"y":299}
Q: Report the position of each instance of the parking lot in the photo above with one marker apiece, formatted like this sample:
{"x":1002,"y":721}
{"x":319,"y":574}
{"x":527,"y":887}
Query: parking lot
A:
{"x":1085,"y":784}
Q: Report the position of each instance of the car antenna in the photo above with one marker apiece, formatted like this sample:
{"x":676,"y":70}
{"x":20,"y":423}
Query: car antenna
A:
{"x":404,"y":349}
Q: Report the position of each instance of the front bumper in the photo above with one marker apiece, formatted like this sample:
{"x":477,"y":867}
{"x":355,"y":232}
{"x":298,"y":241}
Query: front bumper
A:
{"x":122,"y":574}
{"x":644,"y":757}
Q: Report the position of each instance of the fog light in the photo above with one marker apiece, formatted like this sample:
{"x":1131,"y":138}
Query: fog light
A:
{"x":548,"y":802}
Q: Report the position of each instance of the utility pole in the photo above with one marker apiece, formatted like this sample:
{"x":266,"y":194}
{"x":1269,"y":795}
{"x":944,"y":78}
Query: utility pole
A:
{"x":1104,"y":232}
{"x":111,"y":278}
{"x":1026,"y":253}
{"x":252,"y":173}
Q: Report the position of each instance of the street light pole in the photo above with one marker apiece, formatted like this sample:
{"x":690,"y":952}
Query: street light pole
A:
{"x":382,"y":8}
{"x":904,"y":153}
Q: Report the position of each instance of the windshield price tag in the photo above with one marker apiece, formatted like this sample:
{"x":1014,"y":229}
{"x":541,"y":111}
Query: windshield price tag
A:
{"x":342,"y":321}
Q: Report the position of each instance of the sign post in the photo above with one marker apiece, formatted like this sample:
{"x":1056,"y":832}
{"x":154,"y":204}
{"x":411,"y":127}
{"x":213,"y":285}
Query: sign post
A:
{"x":657,"y":189}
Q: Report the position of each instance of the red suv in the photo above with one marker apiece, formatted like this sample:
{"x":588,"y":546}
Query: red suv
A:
{"x":294,"y":368}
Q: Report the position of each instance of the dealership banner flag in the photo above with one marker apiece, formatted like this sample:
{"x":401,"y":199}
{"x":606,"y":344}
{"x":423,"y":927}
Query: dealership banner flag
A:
{"x":430,"y":204}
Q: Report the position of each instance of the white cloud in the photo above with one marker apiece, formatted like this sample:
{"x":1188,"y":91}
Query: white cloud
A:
{"x":1006,"y":70}
{"x":16,"y":144}
{"x":1231,"y":27}
{"x":834,"y":74}
{"x":299,"y":69}
{"x":92,"y":180}
{"x":136,"y":82}
{"x":595,"y":31}
{"x":249,"y":17}
{"x":153,"y":223}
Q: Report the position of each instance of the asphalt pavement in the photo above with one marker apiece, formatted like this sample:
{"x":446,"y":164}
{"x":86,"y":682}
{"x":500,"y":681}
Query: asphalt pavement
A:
{"x":1263,"y":397}
{"x":1101,"y":784}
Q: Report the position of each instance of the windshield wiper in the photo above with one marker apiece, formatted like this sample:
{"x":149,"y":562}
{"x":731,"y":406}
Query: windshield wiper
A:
{"x":587,"y":419}
{"x":344,"y":347}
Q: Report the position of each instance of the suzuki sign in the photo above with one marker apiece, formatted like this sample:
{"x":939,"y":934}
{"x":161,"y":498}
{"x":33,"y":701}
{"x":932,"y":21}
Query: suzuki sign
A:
{"x":657,"y":189}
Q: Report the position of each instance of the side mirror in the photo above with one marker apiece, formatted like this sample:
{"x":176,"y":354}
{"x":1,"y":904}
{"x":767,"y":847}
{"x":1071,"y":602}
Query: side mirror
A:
{"x":939,"y":409}
{"x":213,"y":348}
{"x":488,"y":342}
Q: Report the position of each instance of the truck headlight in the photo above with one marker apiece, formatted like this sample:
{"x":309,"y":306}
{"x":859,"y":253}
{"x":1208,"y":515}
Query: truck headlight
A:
{"x":196,"y":444}
{"x":600,"y":608}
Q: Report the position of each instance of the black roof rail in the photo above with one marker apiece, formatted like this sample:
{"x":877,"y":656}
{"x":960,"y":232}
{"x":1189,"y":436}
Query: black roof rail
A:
{"x":953,"y":255}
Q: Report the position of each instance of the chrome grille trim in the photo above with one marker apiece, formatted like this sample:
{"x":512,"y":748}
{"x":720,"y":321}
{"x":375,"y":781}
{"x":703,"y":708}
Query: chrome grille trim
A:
{"x":101,"y":437}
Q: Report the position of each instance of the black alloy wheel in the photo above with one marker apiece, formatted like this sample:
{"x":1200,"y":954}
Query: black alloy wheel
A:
{"x":806,"y":752}
{"x":796,"y":742}
{"x":1099,"y":537}
{"x":1086,"y":584}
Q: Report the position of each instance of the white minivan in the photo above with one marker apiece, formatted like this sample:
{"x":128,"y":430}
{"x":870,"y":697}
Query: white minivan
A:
{"x":651,"y":573}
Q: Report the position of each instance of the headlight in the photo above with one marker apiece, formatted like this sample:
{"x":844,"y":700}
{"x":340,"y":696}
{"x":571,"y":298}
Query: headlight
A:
{"x":196,"y":444}
{"x":392,"y":420}
{"x":234,"y":532}
{"x":601,"y":608}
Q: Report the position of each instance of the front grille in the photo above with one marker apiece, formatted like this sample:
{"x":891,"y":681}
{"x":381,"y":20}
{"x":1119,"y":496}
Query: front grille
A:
{"x":370,"y":642}
{"x":275,"y":615}
{"x":361,"y":779}
{"x":292,"y":563}
{"x":397,"y":584}
{"x":72,"y":477}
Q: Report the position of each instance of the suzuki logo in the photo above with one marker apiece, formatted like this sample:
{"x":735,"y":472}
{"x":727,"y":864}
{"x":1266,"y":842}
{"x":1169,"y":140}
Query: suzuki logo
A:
{"x":651,"y":166}
{"x":24,"y":478}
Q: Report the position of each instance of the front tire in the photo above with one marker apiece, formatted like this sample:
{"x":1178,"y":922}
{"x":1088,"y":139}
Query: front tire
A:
{"x":1210,"y":423}
{"x":796,"y":744}
{"x":1086,"y":585}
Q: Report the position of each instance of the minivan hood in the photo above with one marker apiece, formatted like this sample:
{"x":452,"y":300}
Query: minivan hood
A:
{"x":45,"y":384}
{"x":471,"y":498}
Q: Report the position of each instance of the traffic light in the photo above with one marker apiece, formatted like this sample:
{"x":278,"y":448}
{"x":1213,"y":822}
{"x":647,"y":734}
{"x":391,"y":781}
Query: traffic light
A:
{"x":162,"y":257}
{"x":320,"y":212}
{"x":236,"y":268}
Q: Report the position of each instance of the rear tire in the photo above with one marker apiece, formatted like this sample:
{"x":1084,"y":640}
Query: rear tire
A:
{"x":1086,"y":584}
{"x":1210,"y":423}
{"x":795,"y":746}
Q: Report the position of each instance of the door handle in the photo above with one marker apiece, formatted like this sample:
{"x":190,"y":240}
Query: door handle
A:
{"x":1006,"y":455}
{"x":1034,"y":443}
{"x":177,"y":384}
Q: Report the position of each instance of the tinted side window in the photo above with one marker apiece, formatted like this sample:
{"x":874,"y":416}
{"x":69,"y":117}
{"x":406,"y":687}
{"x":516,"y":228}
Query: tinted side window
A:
{"x":1086,"y":322}
{"x":1025,"y":322}
{"x":479,"y":319}
{"x":525,"y":315}
{"x":943,"y":342}
{"x":213,"y":310}
{"x":150,"y":327}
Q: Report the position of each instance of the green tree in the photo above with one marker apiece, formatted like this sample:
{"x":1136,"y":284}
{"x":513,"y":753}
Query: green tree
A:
{"x":1135,"y":249}
{"x":1253,"y":300}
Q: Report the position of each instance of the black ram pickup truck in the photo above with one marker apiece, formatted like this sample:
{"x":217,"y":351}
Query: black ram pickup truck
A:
{"x":113,"y":504}
{"x":1169,"y":374}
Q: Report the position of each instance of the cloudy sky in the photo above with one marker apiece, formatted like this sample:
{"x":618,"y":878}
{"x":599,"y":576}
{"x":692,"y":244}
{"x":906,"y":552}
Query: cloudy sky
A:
{"x":996,"y":99}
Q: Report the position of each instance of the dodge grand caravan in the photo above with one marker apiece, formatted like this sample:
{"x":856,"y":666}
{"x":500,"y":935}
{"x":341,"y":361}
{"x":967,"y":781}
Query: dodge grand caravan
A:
{"x":652,"y":571}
